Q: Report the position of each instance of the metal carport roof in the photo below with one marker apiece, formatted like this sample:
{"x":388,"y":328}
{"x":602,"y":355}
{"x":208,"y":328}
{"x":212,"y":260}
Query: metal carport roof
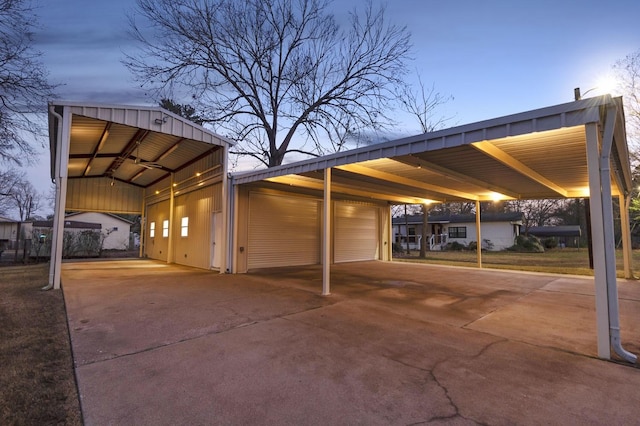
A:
{"x":576,"y":149}
{"x":134,"y":145}
{"x":533,"y":155}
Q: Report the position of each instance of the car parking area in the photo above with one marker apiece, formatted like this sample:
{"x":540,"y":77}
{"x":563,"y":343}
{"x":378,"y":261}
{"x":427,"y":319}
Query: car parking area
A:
{"x":394,"y":343}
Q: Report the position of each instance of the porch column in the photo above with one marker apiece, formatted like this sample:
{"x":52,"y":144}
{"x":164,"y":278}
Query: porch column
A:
{"x":326,"y":235}
{"x":625,"y":227}
{"x":60,"y":174}
{"x":478,"y":235}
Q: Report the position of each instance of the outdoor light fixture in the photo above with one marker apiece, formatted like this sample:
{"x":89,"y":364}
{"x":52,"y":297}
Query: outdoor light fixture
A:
{"x":161,"y":121}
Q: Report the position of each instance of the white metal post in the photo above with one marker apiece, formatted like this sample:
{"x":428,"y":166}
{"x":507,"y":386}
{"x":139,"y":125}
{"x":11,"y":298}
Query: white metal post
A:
{"x":143,"y":224}
{"x":224,"y":229}
{"x":625,"y":226}
{"x":597,"y":241}
{"x":61,"y":173}
{"x":478,"y":235}
{"x":326,"y":235}
{"x":170,"y":249}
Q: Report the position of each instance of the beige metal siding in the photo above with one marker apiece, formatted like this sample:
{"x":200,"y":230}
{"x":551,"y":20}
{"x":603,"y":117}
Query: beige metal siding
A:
{"x":196,"y":248}
{"x":356,"y":233}
{"x":156,"y":247}
{"x":99,"y":195}
{"x":283,"y":231}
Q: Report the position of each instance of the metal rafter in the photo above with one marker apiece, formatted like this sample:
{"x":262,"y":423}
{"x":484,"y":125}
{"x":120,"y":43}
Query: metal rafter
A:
{"x":390,"y":177}
{"x":416,"y":161}
{"x":497,"y":154}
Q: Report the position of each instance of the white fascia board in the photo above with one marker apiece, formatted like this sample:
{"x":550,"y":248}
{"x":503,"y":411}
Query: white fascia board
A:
{"x":152,"y":118}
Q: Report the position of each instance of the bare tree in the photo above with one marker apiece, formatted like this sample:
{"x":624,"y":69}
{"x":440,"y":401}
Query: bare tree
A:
{"x":538,"y":212}
{"x":422,"y":104}
{"x":275,"y":75}
{"x":17,"y":194}
{"x":24,"y":89}
{"x":627,"y":71}
{"x":26,"y":200}
{"x":9,"y":180}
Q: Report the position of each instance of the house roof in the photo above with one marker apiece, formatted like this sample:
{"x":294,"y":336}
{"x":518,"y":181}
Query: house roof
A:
{"x":7,"y":220}
{"x":128,"y":222}
{"x":555,"y":231}
{"x":532,"y":155}
{"x":136,"y":145}
{"x":68,"y":224}
{"x":461,"y":218}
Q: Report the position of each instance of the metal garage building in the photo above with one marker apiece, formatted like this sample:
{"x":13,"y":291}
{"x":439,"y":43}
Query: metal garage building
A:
{"x":336,"y":208}
{"x":147,"y":161}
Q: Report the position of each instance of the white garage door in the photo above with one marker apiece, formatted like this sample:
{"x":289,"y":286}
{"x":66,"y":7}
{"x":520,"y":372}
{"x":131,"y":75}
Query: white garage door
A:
{"x":283,"y":231}
{"x":356,"y":232}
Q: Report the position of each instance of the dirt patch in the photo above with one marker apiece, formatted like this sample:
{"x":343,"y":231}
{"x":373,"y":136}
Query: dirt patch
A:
{"x":37,"y":383}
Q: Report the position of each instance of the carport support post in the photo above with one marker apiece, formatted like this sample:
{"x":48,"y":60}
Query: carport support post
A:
{"x":326,"y":235}
{"x":60,"y":174}
{"x":478,"y":235}
{"x":625,"y":226}
{"x":597,"y":238}
{"x":170,"y":250}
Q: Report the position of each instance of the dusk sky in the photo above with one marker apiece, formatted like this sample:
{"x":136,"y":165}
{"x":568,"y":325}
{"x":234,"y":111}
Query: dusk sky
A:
{"x":495,"y":57}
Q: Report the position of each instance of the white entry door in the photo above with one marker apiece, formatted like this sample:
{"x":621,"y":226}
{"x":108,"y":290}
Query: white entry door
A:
{"x":216,"y":233}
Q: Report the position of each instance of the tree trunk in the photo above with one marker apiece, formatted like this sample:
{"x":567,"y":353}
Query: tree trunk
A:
{"x":406,"y":228}
{"x":423,"y":239}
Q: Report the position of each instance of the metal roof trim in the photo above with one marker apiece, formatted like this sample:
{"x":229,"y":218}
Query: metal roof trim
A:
{"x":554,"y":117}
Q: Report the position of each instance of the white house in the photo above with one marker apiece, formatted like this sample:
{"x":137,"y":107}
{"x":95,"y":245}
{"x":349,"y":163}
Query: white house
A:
{"x":498,"y":230}
{"x":115,"y":229}
{"x":8,"y":232}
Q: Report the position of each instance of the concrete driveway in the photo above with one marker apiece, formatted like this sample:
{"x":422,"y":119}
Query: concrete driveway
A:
{"x":395,"y":343}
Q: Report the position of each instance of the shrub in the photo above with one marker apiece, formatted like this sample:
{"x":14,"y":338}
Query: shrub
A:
{"x":473,"y":246}
{"x":550,"y":243}
{"x":455,"y":246}
{"x":527,"y":244}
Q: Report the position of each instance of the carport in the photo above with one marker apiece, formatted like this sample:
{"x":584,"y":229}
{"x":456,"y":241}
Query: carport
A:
{"x":141,"y":160}
{"x":572,"y":150}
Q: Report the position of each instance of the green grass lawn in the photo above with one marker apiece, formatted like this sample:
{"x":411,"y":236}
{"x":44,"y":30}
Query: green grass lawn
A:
{"x":559,"y":261}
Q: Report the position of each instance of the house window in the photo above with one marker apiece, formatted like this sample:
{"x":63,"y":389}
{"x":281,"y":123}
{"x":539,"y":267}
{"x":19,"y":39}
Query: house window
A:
{"x":457,"y":232}
{"x":165,"y":228}
{"x":184,"y":227}
{"x":412,"y":230}
{"x":152,"y":229}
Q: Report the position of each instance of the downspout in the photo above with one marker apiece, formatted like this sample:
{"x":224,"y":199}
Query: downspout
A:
{"x":52,"y":266}
{"x":607,"y":214}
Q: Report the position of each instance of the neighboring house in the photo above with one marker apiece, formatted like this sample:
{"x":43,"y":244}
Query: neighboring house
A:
{"x":498,"y":230}
{"x":565,"y":235}
{"x":81,"y":239}
{"x":115,"y":229}
{"x":8,"y":233}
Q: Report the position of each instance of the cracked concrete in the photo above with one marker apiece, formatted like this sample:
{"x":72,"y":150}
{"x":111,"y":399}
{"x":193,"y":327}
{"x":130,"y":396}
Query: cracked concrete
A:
{"x":393,"y":344}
